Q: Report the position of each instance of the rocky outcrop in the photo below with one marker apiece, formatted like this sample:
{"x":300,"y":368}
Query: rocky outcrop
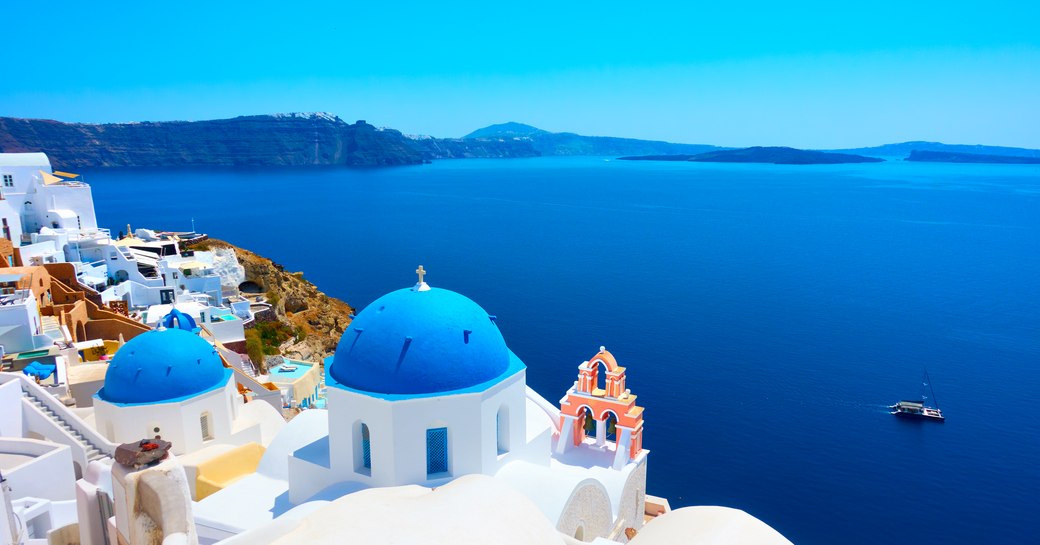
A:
{"x":771,"y":155}
{"x":317,"y":319}
{"x":957,"y":157}
{"x":260,"y":140}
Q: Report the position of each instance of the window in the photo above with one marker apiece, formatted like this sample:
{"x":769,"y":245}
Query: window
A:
{"x":207,"y":427}
{"x":366,"y":447}
{"x":502,"y":429}
{"x":8,"y":180}
{"x":7,"y":235}
{"x":436,"y":451}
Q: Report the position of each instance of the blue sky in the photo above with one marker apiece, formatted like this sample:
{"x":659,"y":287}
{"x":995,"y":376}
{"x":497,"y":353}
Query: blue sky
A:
{"x":808,"y":74}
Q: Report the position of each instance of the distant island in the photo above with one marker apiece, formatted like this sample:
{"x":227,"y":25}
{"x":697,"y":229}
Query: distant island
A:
{"x":567,"y":143}
{"x":772,"y":155}
{"x":954,"y":157}
{"x":904,"y":149}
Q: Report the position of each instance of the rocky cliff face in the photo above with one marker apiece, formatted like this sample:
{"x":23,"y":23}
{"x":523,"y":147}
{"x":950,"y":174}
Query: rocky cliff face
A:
{"x":262,"y":140}
{"x":259,"y":140}
{"x":458,"y":148}
{"x":297,"y":303}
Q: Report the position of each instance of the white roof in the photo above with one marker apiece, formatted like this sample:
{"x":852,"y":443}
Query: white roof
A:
{"x":707,"y":525}
{"x":37,"y":159}
{"x":471,"y":510}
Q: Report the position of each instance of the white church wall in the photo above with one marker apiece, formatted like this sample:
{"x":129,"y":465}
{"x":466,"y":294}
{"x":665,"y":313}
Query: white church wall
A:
{"x":178,"y":422}
{"x":129,"y":423}
{"x":509,"y":397}
{"x":347,"y":411}
{"x":460,"y":414}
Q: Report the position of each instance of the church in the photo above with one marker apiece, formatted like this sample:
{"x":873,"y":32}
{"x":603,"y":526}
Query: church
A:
{"x":422,"y":391}
{"x":430,"y":435}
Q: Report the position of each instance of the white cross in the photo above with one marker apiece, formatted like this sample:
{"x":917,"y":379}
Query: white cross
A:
{"x":421,"y":272}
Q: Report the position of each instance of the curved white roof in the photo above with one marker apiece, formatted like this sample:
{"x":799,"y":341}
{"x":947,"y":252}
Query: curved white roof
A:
{"x":707,"y":525}
{"x":38,"y":159}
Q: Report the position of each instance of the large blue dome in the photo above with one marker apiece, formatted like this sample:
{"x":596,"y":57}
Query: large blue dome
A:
{"x":163,"y":365}
{"x":415,"y":342}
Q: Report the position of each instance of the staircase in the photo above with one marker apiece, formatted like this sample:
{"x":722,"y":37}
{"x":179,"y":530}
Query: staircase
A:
{"x":247,"y":367}
{"x":51,"y":327}
{"x":92,"y":450}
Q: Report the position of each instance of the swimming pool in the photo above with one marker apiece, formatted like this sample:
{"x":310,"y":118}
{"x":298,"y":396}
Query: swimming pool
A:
{"x":279,"y":373}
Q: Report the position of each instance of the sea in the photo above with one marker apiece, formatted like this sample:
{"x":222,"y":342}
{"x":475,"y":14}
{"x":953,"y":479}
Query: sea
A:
{"x":766,"y":314}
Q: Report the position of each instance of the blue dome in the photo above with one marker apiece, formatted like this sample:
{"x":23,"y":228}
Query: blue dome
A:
{"x":179,"y":320}
{"x":420,"y":342}
{"x":163,"y":365}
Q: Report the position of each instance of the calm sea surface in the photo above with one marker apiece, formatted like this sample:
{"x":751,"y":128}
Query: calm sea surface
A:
{"x":766,"y":314}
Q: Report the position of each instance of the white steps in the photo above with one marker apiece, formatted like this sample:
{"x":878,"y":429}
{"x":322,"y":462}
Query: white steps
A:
{"x":93,"y":452}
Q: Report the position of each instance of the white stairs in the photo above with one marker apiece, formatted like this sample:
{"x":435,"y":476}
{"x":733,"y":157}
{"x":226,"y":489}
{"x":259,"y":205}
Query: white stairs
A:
{"x":93,"y":452}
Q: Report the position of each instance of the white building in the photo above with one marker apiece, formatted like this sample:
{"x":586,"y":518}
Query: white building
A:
{"x":37,"y":198}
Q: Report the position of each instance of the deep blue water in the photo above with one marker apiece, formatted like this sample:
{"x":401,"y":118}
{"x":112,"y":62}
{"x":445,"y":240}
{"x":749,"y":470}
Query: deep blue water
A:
{"x":766,"y":314}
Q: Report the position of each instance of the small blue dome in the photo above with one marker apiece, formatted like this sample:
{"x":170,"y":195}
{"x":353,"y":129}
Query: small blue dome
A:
{"x":163,"y":365}
{"x":179,"y":320}
{"x":420,"y":342}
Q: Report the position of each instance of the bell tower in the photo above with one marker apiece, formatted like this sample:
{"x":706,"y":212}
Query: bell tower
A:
{"x":601,"y":413}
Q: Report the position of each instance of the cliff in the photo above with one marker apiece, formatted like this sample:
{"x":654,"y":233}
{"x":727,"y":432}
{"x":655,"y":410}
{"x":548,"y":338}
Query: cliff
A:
{"x":566,"y":143}
{"x":771,"y":155}
{"x":458,"y":148}
{"x":312,"y":322}
{"x":955,"y":157}
{"x":261,"y":140}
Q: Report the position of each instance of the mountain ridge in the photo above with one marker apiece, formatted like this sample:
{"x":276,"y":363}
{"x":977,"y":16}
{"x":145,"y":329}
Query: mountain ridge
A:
{"x":569,"y":144}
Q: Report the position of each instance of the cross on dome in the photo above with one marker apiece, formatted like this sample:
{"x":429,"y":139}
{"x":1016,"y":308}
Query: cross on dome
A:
{"x":421,"y":285}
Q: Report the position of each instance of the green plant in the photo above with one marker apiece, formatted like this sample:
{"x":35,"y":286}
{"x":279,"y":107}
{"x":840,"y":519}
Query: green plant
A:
{"x":255,"y":347}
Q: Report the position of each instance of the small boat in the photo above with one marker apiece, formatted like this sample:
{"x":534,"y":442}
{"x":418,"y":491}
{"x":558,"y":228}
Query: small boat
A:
{"x":919,"y":408}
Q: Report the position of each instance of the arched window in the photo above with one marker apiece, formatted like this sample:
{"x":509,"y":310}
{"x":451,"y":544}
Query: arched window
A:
{"x":601,"y":376}
{"x":362,"y":449}
{"x":502,"y":429}
{"x":588,"y":422}
{"x":611,"y":420}
{"x":366,"y":448}
{"x":436,"y":451}
{"x":207,"y":426}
